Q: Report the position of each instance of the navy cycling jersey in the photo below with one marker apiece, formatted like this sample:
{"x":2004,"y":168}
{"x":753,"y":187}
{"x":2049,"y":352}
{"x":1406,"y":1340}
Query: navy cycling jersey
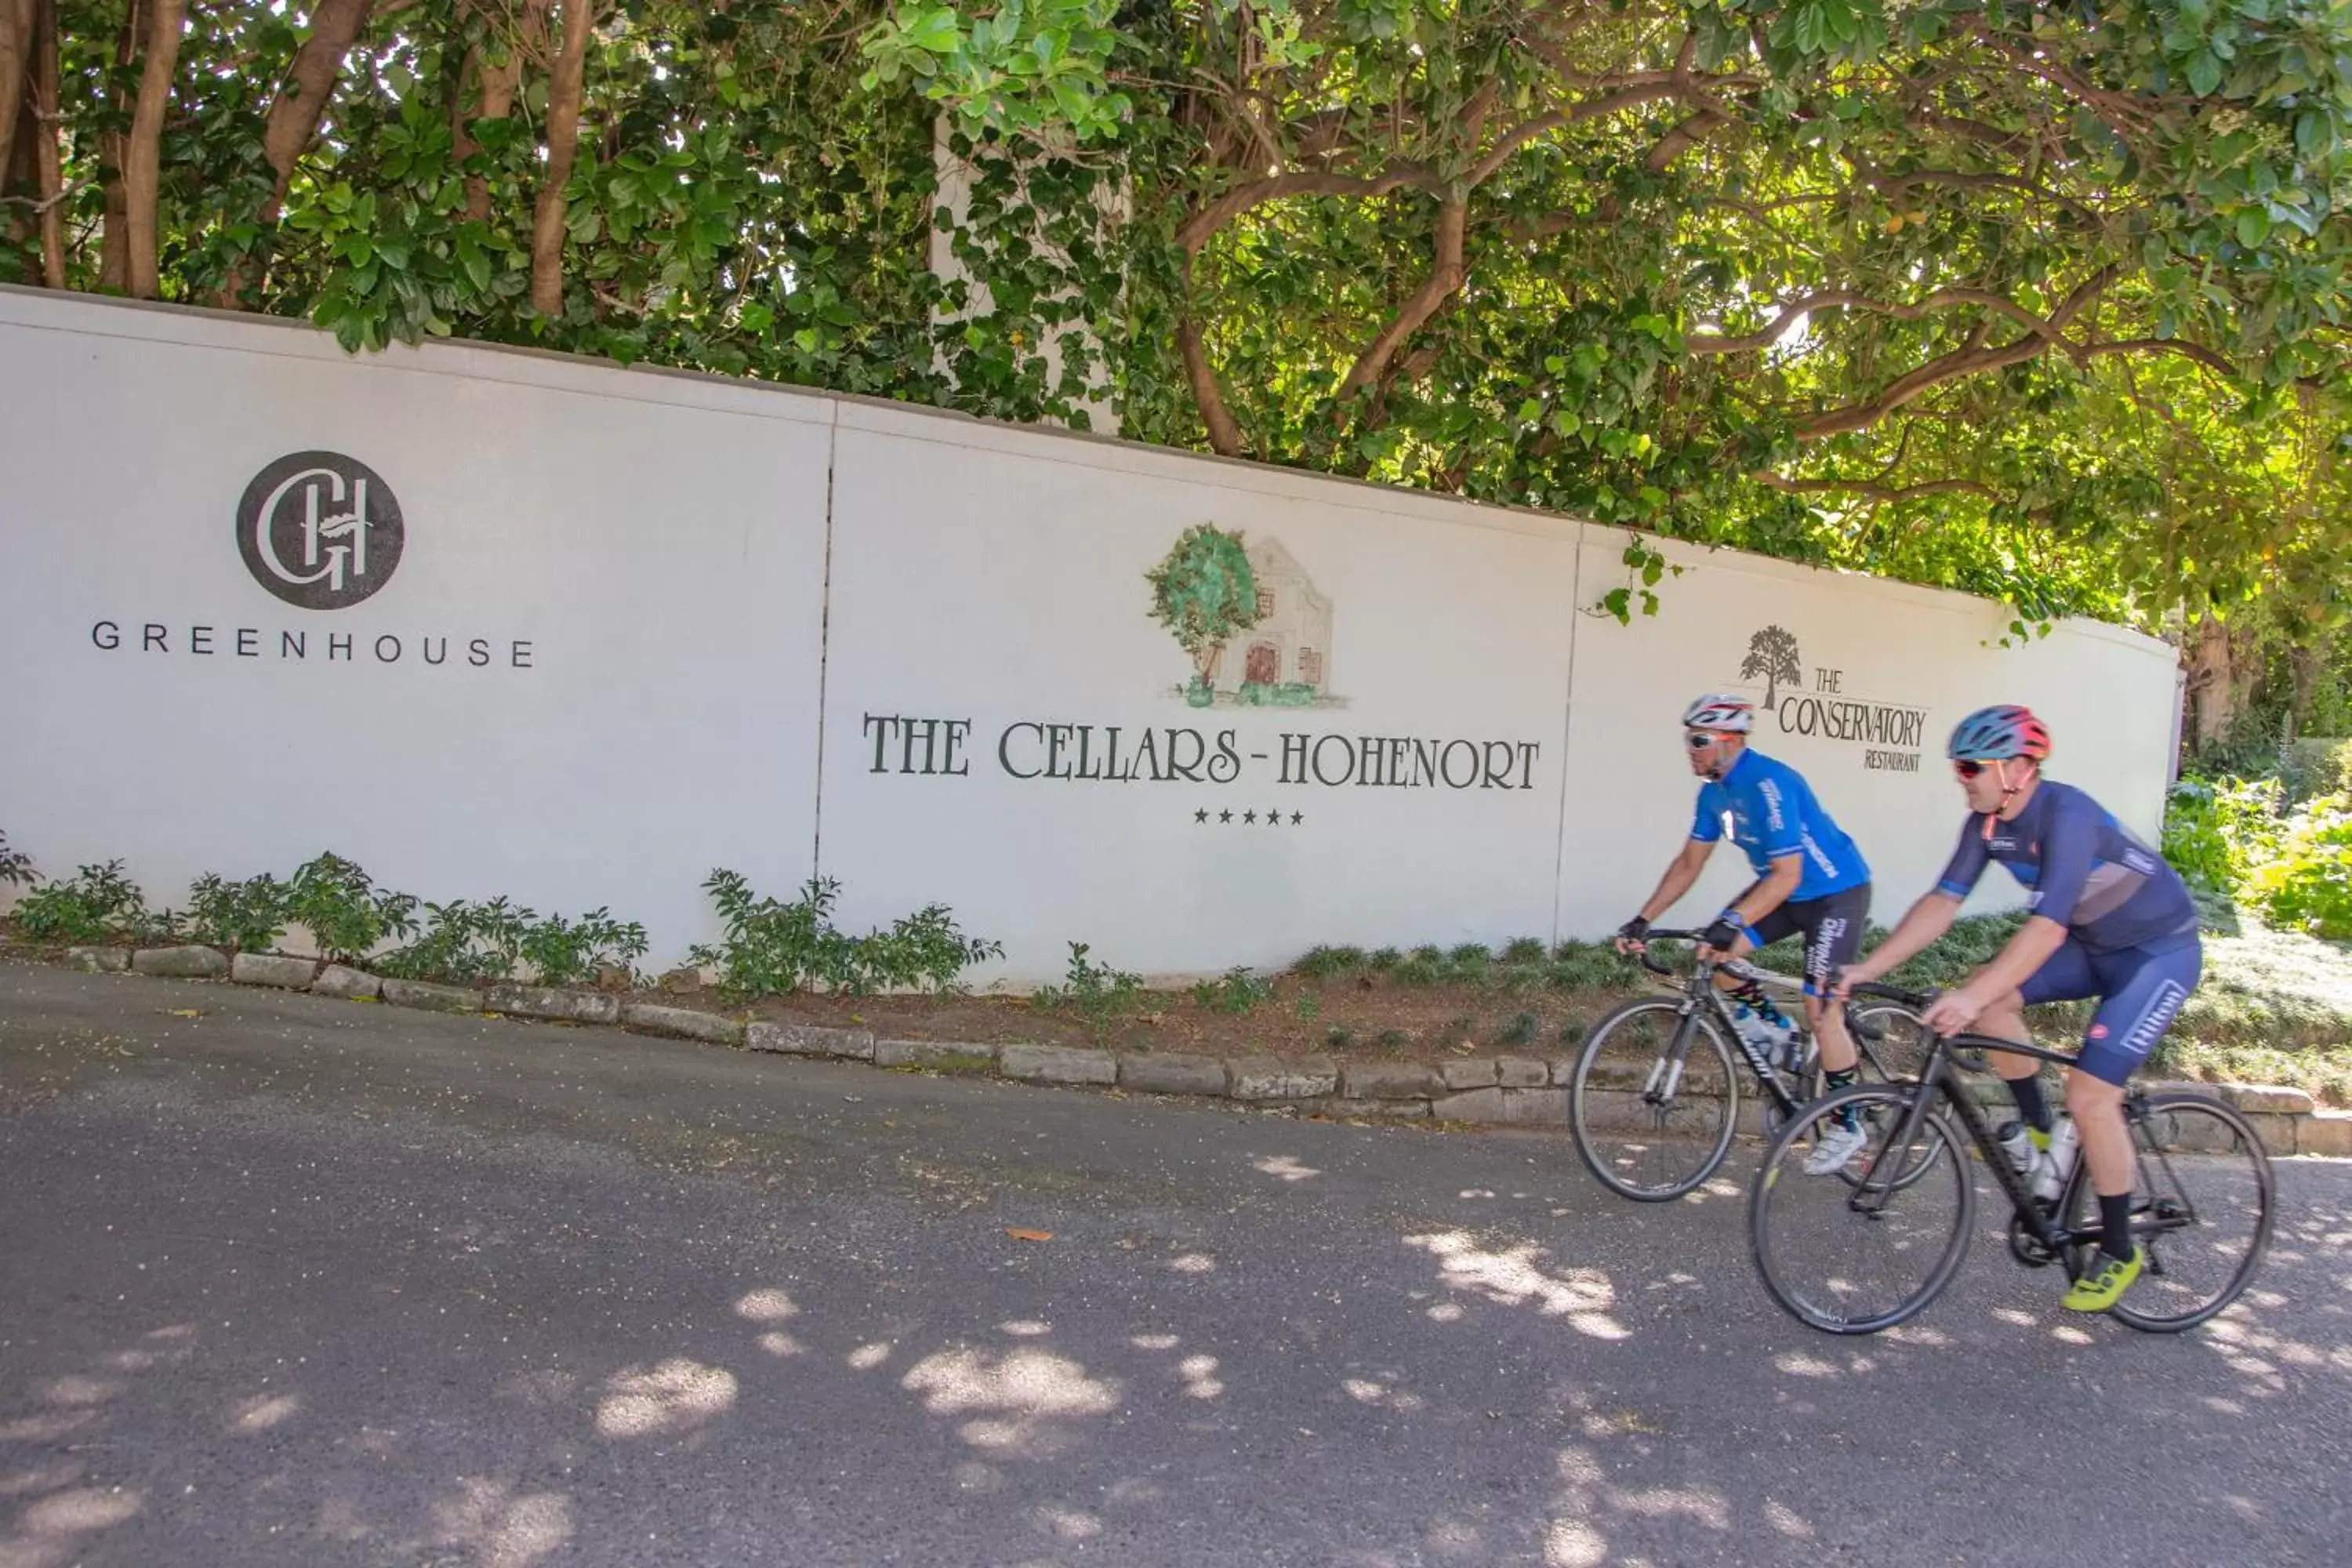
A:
{"x":1772,"y":813}
{"x":2082,"y":869}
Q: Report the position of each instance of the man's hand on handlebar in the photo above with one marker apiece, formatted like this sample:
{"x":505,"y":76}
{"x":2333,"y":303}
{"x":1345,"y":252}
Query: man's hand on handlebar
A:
{"x":1629,"y":935}
{"x":1715,"y":944}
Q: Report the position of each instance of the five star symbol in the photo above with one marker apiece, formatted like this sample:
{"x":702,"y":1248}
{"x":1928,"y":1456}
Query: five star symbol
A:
{"x":1252,"y":817}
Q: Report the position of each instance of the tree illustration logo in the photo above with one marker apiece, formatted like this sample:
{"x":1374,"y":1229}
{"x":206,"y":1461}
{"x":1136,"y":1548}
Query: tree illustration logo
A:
{"x":1772,"y":658}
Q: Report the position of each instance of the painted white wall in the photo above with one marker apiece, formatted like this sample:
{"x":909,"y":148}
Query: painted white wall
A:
{"x":2106,"y":693}
{"x":720,"y":581}
{"x":657,"y":541}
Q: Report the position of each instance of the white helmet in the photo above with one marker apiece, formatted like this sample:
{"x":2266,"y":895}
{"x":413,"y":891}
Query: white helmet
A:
{"x":1720,"y":710}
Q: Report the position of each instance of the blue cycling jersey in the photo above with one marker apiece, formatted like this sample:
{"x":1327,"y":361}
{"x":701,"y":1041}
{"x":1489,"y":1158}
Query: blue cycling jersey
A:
{"x":2083,"y":868}
{"x":1773,"y":813}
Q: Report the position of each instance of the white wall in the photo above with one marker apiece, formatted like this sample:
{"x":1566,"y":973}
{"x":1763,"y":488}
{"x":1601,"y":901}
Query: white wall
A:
{"x":657,"y":542}
{"x":719,"y":581}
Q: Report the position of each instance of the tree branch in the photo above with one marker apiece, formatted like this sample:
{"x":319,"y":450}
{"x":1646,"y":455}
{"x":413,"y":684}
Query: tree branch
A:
{"x":47,"y":156}
{"x":1872,"y":491}
{"x":1225,"y":434}
{"x":143,"y":151}
{"x":1961,"y":363}
{"x":335,"y":25}
{"x":1685,"y":136}
{"x":2196,"y":351}
{"x":1197,"y":230}
{"x":563,"y":146}
{"x":1445,"y":277}
{"x":15,"y":49}
{"x":1841,"y":299}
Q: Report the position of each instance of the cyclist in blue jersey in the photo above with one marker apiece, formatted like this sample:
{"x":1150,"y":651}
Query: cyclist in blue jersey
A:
{"x":1810,"y":880}
{"x":2110,"y":919}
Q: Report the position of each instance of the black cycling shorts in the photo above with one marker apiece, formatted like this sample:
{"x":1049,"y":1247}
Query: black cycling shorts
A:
{"x":1832,"y":928}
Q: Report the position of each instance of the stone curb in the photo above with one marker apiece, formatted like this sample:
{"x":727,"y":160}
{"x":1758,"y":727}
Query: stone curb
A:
{"x":551,"y":1003}
{"x":181,"y":962}
{"x":266,"y":969}
{"x":682,"y":1023}
{"x":351,"y":984}
{"x":813,"y":1040}
{"x":1487,"y":1091}
{"x":432,"y":998}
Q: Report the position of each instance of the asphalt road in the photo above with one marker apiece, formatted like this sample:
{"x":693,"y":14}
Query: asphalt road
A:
{"x":299,"y":1281}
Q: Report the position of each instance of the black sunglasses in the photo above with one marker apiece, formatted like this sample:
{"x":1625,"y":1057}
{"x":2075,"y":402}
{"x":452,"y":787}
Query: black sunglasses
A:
{"x":1699,"y":742}
{"x":1967,"y":769}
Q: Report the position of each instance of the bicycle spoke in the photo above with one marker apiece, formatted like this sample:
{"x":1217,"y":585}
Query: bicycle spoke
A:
{"x":1862,"y":1253}
{"x":2202,"y":1211}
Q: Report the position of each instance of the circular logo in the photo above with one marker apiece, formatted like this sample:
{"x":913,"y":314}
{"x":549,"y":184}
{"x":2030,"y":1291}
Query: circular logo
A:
{"x":320,"y":529}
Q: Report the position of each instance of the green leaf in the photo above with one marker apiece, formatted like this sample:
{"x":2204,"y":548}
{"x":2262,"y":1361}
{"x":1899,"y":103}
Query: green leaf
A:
{"x":2254,"y":227}
{"x":935,"y":29}
{"x":2204,"y":73}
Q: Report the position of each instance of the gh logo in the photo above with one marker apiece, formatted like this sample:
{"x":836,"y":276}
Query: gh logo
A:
{"x":320,"y":529}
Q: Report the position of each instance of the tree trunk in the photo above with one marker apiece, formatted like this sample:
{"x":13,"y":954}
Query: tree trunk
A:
{"x":2212,"y":688}
{"x":501,"y":83}
{"x":294,"y":116}
{"x":114,"y":246}
{"x":562,"y":142}
{"x":47,"y":158}
{"x":2304,"y":664}
{"x":15,"y":46}
{"x":335,"y":27}
{"x":143,"y":155}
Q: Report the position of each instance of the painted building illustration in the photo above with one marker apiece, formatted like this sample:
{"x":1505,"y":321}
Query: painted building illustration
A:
{"x":1257,"y":630}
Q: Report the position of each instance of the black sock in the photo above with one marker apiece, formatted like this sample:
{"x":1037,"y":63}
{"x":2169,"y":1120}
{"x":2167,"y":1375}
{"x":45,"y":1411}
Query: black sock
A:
{"x":2027,"y":1092}
{"x":2114,"y":1225}
{"x":1833,"y":1079}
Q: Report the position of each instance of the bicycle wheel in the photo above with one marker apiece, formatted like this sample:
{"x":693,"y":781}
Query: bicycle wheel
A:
{"x":1892,"y":1040}
{"x":1860,"y":1255}
{"x":2202,"y":1210}
{"x":1644,"y":1138}
{"x":1891,"y":1047}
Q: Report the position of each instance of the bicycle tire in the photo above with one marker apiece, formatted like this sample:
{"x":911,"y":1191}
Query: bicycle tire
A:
{"x":1891,"y":1104}
{"x":1583,"y":1107}
{"x":2169,"y":1110}
{"x":1874,"y":1063}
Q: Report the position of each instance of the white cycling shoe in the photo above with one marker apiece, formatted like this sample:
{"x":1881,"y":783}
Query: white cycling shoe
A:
{"x":1837,"y":1145}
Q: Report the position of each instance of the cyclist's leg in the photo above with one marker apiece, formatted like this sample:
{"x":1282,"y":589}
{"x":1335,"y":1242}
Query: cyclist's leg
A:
{"x":2066,"y":975}
{"x":1834,"y":929}
{"x":2144,"y":995}
{"x":1747,"y":941}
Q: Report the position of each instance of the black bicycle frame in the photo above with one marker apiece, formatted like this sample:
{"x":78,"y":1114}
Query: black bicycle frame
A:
{"x":1701,"y":986}
{"x":1937,"y":1080}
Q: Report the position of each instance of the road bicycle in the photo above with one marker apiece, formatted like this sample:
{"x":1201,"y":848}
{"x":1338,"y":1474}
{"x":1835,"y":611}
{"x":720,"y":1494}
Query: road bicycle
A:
{"x":1653,"y":1100}
{"x":1870,"y":1252}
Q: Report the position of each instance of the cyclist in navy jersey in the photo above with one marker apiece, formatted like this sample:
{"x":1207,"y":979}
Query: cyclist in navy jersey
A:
{"x":1810,"y":880}
{"x":2110,"y":919}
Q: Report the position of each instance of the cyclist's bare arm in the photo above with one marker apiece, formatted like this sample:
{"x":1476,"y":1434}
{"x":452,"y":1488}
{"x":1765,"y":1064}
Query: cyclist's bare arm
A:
{"x":1681,"y":873}
{"x":1921,"y":924}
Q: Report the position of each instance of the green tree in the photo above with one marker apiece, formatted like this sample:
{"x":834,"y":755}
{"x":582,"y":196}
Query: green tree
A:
{"x":1204,"y":592}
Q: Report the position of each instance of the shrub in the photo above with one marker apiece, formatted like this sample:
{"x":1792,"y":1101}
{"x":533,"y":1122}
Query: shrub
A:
{"x":772,"y":948}
{"x":347,"y":913}
{"x":2216,"y":831}
{"x":248,"y":916}
{"x":2308,"y":884}
{"x":97,"y":904}
{"x":1237,"y":993}
{"x":1323,"y":962}
{"x":1096,"y":992}
{"x":16,"y":869}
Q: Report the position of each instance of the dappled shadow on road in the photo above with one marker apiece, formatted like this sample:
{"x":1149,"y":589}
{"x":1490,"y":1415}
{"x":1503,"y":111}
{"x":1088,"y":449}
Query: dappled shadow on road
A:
{"x":1512,"y":1368}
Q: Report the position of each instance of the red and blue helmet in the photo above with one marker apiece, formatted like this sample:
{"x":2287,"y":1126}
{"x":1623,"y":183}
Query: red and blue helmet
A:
{"x":1998,"y":733}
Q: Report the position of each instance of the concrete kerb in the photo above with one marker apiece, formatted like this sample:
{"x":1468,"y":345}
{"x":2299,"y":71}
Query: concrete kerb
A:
{"x":1497,"y":1090}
